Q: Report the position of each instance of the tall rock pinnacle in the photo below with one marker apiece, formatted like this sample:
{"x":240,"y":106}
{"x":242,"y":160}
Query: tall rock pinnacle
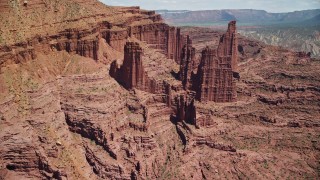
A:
{"x":217,"y":69}
{"x":131,"y":74}
{"x":187,"y":58}
{"x":228,"y":46}
{"x":132,"y":70}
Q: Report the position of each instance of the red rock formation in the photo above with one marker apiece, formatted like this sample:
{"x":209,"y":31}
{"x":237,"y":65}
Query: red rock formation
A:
{"x":160,"y":36}
{"x":85,"y":41}
{"x":117,"y":38}
{"x":204,"y":121}
{"x":186,"y":110}
{"x":169,"y":95}
{"x":216,"y":78}
{"x":72,"y":40}
{"x":102,"y":167}
{"x":186,"y":63}
{"x":131,"y":74}
{"x":217,"y":69}
{"x":228,"y":46}
{"x":77,"y":41}
{"x":4,"y":6}
{"x":86,"y":48}
{"x":199,"y":141}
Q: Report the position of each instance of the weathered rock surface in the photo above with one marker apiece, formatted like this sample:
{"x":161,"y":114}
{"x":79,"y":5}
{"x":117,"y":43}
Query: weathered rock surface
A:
{"x":160,"y":36}
{"x":63,"y":116}
{"x":186,"y":64}
{"x":215,"y":76}
{"x":131,"y":74}
{"x":82,"y":39}
{"x":186,"y":110}
{"x":228,"y":46}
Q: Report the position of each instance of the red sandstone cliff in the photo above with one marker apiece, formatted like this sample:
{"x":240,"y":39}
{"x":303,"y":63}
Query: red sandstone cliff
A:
{"x":160,"y":36}
{"x":186,"y":110}
{"x":215,"y":77}
{"x":186,"y":63}
{"x":80,"y":33}
{"x":131,"y":74}
{"x":63,"y":117}
{"x":228,"y":46}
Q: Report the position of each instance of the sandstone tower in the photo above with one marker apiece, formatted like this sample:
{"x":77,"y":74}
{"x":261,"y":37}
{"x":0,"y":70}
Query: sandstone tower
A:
{"x":218,"y":68}
{"x":131,"y":74}
{"x":228,"y":46}
{"x":187,"y":58}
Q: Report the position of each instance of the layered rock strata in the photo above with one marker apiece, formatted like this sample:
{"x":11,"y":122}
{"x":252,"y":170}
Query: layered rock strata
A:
{"x":160,"y":36}
{"x":215,"y":77}
{"x":228,"y":46}
{"x":186,"y":63}
{"x":213,"y":82}
{"x":143,"y":25}
{"x":186,"y":110}
{"x":63,"y":117}
{"x":131,"y":74}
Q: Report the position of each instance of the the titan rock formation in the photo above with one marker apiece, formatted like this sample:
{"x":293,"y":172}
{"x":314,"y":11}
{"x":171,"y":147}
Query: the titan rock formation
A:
{"x":228,"y":47}
{"x":217,"y":68}
{"x":90,"y":91}
{"x":215,"y":78}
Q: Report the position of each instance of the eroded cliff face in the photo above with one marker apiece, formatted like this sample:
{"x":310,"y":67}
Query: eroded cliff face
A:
{"x":160,"y":36}
{"x":186,"y":63}
{"x":217,"y":70}
{"x":228,"y":46}
{"x":80,"y":32}
{"x":131,"y":74}
{"x":53,"y":59}
{"x":96,"y":93}
{"x":216,"y":81}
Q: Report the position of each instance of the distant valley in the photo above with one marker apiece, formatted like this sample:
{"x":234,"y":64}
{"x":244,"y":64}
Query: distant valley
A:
{"x":299,"y":30}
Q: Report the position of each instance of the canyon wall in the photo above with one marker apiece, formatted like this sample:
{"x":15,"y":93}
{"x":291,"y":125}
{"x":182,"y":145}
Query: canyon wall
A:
{"x":86,"y":42}
{"x":217,"y":70}
{"x":117,"y":38}
{"x":115,"y":29}
{"x":160,"y":36}
{"x":61,"y":121}
{"x":214,"y":80}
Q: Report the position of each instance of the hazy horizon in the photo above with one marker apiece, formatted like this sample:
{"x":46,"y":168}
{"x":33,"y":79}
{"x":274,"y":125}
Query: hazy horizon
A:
{"x":233,"y":9}
{"x":272,"y":6}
